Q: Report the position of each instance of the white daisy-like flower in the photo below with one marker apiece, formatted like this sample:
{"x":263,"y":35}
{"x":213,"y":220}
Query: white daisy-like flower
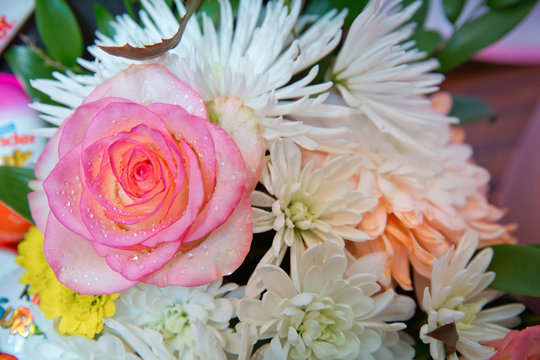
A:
{"x":252,"y":57}
{"x":329,"y":310}
{"x":306,"y":204}
{"x":378,"y":72}
{"x":194,"y":322}
{"x":458,"y":295}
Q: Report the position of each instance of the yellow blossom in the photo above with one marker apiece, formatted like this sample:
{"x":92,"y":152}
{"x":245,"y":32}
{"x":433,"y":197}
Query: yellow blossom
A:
{"x":77,"y":314}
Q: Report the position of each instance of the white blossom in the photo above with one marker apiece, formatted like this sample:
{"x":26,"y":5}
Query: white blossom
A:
{"x":458,"y":294}
{"x":326,"y":311}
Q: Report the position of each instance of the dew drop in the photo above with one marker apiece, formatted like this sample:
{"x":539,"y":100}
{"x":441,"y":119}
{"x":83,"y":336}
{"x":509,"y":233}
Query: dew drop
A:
{"x":135,"y":257}
{"x":190,"y":256}
{"x":62,"y":268}
{"x":68,"y":203}
{"x":85,"y":276}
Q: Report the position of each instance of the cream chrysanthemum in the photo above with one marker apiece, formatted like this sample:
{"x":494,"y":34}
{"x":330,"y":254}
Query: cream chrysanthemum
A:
{"x":184,"y":317}
{"x":253,"y":57}
{"x":379,"y":73}
{"x":306,"y":204}
{"x":458,"y":294}
{"x":326,"y":311}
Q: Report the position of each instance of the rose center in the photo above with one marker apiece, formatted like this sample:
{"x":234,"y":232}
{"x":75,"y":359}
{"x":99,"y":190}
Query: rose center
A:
{"x":142,"y":170}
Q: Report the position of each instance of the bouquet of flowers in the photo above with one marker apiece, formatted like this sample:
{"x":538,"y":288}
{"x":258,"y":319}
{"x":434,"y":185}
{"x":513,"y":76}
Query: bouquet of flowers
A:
{"x":261,"y":180}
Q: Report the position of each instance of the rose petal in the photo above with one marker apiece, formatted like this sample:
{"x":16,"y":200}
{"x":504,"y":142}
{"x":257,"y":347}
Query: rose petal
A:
{"x":193,"y":130}
{"x":64,"y":189}
{"x":39,"y":206}
{"x":230,"y":185}
{"x":195,"y":195}
{"x":243,"y":126}
{"x":49,"y":157}
{"x":115,"y":118}
{"x":138,"y":262}
{"x":76,"y":264}
{"x":222,"y":252}
{"x":74,"y":127}
{"x":146,"y":83}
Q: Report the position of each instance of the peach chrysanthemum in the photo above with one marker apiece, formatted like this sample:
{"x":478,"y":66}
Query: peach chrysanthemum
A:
{"x":425,"y":206}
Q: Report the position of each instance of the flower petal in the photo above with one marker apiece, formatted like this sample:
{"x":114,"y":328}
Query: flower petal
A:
{"x":145,"y":83}
{"x":76,"y":264}
{"x":219,"y":254}
{"x":230,"y":185}
{"x":63,"y":189}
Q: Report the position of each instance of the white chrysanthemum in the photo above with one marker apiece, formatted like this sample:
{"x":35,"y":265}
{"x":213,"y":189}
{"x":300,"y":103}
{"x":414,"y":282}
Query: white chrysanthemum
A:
{"x":252,"y":58}
{"x":457,"y":295}
{"x":118,"y":341}
{"x":377,"y":71}
{"x":194,"y":322}
{"x":307,"y":204}
{"x":328,"y":312}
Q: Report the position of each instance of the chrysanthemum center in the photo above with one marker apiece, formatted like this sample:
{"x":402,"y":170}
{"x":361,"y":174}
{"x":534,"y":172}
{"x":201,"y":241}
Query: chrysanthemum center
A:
{"x":470,"y":310}
{"x":174,"y":321}
{"x":324,"y":323}
{"x":300,"y":215}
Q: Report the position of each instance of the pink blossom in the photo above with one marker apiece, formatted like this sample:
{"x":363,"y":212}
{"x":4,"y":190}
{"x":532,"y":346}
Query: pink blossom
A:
{"x":518,"y":345}
{"x":139,"y":187}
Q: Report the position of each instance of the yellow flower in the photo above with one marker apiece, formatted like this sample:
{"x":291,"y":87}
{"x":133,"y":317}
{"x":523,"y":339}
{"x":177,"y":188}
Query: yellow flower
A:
{"x":78,"y":314}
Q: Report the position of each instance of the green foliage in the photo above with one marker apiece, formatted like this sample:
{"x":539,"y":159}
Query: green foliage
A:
{"x":427,"y":41}
{"x":517,"y":268}
{"x":420,"y":15}
{"x":103,"y":19}
{"x":211,"y":8}
{"x":26,"y":64}
{"x":321,"y":7}
{"x":14,"y":188}
{"x":452,"y":9}
{"x":480,"y":32}
{"x":469,"y":108}
{"x":500,"y":4}
{"x":59,"y":31}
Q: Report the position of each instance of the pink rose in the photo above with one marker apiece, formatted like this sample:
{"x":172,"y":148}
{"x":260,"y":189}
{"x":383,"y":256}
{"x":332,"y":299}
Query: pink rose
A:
{"x":518,"y":345}
{"x":140,"y":187}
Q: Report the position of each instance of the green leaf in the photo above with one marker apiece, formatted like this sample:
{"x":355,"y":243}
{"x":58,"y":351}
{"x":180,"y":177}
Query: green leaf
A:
{"x":478,"y":33}
{"x":59,"y":31}
{"x":321,"y":7}
{"x":26,"y":65}
{"x":500,"y":4}
{"x":14,"y":188}
{"x":211,"y":8}
{"x":517,"y":269}
{"x":420,"y":15}
{"x":427,"y":40}
{"x":129,"y":8}
{"x":452,"y":9}
{"x":103,"y":19}
{"x":469,"y":108}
